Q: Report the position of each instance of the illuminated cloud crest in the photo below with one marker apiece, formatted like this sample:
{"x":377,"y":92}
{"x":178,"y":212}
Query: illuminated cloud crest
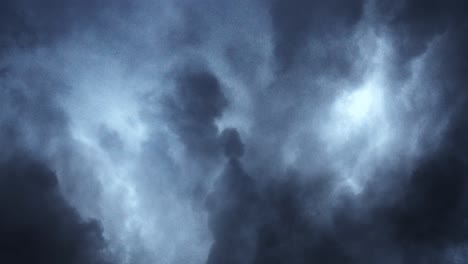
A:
{"x":250,"y":131}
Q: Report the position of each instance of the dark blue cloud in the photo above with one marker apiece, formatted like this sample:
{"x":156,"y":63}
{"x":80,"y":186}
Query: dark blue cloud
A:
{"x":37,"y":224}
{"x":260,"y":208}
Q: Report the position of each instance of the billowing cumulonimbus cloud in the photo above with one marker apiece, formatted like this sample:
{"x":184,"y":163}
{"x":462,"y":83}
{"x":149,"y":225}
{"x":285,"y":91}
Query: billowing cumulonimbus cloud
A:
{"x":255,"y":131}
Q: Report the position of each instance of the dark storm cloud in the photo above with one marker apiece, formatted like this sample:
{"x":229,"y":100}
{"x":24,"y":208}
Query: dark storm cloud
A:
{"x":416,"y":22}
{"x":277,"y":199}
{"x":417,"y":216}
{"x":26,"y":23}
{"x":431,"y":214}
{"x":435,"y":213}
{"x":417,"y":26}
{"x":233,"y":147}
{"x":283,"y":222}
{"x":193,"y":109}
{"x":254,"y":225}
{"x":37,"y":224}
{"x":326,"y":25}
{"x":233,"y":206}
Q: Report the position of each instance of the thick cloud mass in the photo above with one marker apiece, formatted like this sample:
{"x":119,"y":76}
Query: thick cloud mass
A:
{"x":249,"y":131}
{"x":197,"y":103}
{"x":37,"y":224}
{"x":300,"y":23}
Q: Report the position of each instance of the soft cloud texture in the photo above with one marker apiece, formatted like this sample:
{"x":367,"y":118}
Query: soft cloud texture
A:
{"x":234,"y":132}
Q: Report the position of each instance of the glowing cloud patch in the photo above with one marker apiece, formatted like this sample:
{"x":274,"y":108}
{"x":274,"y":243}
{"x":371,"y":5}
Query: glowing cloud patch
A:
{"x":355,"y":112}
{"x":359,"y":128}
{"x":360,"y":105}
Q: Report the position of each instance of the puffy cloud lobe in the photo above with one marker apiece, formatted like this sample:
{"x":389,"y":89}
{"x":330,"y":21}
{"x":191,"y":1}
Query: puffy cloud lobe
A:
{"x":37,"y":224}
{"x":197,"y":102}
